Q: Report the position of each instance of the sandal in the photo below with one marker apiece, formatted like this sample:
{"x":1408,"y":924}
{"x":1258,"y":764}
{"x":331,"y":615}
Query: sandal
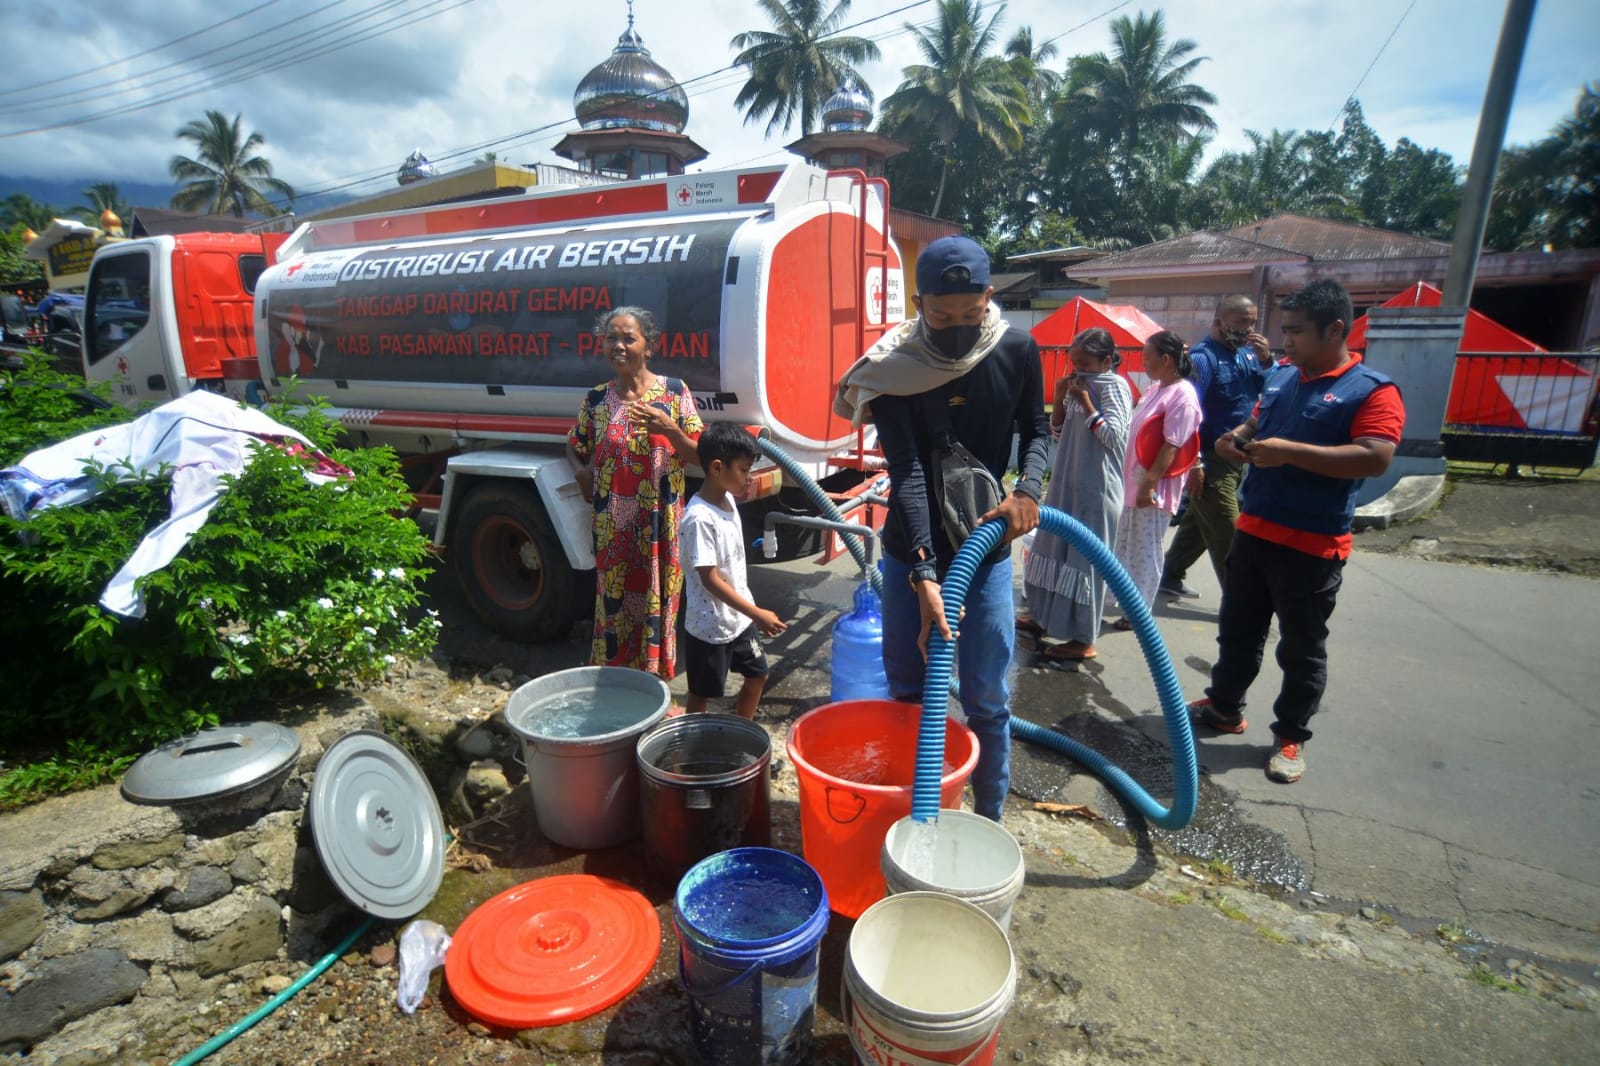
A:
{"x":1028,"y":625}
{"x":1073,"y":651}
{"x":1123,"y":625}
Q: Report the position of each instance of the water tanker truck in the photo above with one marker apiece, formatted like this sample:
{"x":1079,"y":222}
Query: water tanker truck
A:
{"x":462,"y":336}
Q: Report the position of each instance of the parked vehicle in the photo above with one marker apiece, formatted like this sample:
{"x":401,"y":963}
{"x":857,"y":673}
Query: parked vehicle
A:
{"x":461,"y":335}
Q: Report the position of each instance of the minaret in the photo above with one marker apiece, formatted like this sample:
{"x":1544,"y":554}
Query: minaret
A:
{"x":846,"y":142}
{"x":632,"y":113}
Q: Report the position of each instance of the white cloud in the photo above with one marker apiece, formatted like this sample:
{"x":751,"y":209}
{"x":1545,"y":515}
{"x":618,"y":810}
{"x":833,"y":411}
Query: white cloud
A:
{"x":493,"y":68}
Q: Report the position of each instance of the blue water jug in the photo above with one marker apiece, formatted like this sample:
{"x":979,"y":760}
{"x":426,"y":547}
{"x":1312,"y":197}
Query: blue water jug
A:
{"x":858,"y":651}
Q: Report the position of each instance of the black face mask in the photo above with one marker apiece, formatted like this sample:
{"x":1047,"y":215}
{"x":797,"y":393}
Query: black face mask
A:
{"x":953,"y":342}
{"x":1235,"y":338}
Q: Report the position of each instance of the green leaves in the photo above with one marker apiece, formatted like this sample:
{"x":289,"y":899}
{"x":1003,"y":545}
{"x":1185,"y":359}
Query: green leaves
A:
{"x":290,"y":586}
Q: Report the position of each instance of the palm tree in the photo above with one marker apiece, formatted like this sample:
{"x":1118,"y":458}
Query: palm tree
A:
{"x":1143,"y":87}
{"x":962,"y":85}
{"x":104,"y":196}
{"x":20,"y":209}
{"x":798,"y":64}
{"x":225,"y":178}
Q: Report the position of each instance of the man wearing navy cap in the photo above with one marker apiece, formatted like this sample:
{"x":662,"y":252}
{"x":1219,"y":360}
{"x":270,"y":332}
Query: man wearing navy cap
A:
{"x":956,"y":365}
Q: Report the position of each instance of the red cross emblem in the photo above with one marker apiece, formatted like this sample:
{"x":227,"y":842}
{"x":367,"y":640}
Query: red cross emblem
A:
{"x":122,"y":365}
{"x":684,"y":195}
{"x":293,"y":270}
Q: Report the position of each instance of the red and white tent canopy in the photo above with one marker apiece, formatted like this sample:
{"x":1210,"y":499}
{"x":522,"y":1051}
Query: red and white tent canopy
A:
{"x":1129,"y":327}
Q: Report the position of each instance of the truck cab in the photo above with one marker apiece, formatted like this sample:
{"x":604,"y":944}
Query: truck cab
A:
{"x":162,"y":313}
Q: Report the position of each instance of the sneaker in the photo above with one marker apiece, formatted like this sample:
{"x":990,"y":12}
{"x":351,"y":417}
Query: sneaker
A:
{"x":1178,"y":589}
{"x":1205,"y":713}
{"x":1288,"y":762}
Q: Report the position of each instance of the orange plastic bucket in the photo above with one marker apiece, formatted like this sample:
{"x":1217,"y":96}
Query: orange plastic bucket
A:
{"x":856,"y":761}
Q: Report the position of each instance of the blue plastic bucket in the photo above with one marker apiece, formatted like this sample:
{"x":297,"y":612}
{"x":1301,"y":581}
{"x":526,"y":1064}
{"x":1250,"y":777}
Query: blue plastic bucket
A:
{"x":750,"y":923}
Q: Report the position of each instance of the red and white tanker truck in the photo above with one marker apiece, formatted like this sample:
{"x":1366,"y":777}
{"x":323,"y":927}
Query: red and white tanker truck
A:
{"x":461,"y":335}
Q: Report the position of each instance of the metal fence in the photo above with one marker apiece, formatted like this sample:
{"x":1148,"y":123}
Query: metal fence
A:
{"x":1538,"y":409}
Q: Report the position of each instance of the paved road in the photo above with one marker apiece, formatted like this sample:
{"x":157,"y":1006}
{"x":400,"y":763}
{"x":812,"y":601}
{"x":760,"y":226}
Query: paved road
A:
{"x":1455,"y":772}
{"x":1455,"y":775}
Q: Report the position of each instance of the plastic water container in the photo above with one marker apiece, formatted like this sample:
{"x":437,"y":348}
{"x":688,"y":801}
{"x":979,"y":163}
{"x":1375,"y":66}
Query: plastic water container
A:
{"x":858,"y":651}
{"x":928,"y":978}
{"x":750,"y":923}
{"x":705,"y":785}
{"x":857,"y":762}
{"x":970,"y":858}
{"x":579,"y":729}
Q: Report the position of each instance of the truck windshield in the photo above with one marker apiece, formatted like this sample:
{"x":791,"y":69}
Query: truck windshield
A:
{"x":118,"y":303}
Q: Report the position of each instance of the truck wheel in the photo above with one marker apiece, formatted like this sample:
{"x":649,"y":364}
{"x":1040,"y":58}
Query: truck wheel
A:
{"x":510,"y":564}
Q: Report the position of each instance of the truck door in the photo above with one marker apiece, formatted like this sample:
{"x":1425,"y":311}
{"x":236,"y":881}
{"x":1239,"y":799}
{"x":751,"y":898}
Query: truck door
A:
{"x":117,"y":346}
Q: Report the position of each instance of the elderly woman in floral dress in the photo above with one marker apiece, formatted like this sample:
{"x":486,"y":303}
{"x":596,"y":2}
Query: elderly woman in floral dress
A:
{"x":633,"y":438}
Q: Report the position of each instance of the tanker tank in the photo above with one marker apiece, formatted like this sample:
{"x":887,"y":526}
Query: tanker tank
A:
{"x":478,"y":319}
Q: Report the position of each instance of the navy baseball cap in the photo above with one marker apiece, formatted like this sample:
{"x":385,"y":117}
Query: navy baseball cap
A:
{"x":952,"y":264}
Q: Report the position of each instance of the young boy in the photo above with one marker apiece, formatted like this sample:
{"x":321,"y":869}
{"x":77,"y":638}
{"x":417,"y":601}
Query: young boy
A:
{"x":722,"y":620}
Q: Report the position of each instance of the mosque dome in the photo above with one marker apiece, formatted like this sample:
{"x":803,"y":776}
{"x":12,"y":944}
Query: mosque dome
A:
{"x":629,"y":89}
{"x":416,"y":168}
{"x":109,"y":220}
{"x":847,"y":110}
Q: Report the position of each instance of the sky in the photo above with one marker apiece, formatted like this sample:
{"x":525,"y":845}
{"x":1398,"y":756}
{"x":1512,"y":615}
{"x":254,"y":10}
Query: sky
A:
{"x":458,"y":77}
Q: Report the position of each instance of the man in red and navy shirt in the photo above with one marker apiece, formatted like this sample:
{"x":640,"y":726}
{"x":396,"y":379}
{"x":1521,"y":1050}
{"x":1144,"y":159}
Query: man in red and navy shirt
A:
{"x":1325,"y":423}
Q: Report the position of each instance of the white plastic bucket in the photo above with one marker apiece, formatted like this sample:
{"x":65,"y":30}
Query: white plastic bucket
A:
{"x":928,"y":979}
{"x":974,"y":859}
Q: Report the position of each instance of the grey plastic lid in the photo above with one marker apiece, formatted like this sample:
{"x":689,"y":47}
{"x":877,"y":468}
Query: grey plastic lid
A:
{"x":376,"y":826}
{"x":211,"y":763}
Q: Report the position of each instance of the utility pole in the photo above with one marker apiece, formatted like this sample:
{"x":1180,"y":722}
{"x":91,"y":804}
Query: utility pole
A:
{"x":1473,"y":218}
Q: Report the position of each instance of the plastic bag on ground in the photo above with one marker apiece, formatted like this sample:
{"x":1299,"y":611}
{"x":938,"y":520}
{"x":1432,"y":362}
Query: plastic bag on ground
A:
{"x":423,"y":945}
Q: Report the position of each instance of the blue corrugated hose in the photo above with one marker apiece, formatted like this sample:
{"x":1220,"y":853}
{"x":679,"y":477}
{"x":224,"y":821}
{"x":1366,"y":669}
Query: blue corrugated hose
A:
{"x":819,"y":499}
{"x":941,"y":656}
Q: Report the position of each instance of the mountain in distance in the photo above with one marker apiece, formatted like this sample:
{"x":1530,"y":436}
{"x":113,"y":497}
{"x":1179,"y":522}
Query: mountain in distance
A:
{"x":66,"y":194}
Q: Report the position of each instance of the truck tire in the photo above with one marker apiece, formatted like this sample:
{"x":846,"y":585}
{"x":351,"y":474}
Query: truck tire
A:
{"x":510,"y":564}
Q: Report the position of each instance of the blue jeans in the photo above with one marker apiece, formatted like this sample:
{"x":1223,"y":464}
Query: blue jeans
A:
{"x":983,"y":655}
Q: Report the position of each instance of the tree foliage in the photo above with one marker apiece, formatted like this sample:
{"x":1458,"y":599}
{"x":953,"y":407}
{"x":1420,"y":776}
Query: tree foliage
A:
{"x":795,"y":66}
{"x":1024,"y":148}
{"x":289,"y":586}
{"x":225,"y":177}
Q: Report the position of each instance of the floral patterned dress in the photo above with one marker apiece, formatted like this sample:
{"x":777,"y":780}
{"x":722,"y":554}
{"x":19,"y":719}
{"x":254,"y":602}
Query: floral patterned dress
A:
{"x":638,"y":504}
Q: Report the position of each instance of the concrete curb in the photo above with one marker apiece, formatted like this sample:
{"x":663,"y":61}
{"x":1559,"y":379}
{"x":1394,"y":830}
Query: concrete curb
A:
{"x":1410,"y":498}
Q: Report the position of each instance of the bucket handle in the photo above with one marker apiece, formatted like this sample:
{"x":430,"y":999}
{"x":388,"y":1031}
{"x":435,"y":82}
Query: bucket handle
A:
{"x":860,"y":804}
{"x":683,"y":978}
{"x":847,"y":1008}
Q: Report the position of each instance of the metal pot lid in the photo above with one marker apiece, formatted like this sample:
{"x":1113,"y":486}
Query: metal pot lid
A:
{"x":211,"y":763}
{"x":376,"y":826}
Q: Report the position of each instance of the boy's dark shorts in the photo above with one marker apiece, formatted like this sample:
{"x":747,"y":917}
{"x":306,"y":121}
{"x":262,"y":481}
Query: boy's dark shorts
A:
{"x":708,"y":664}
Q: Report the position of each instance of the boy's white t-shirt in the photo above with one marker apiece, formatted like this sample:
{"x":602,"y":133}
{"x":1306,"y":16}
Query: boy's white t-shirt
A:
{"x":711,"y":536}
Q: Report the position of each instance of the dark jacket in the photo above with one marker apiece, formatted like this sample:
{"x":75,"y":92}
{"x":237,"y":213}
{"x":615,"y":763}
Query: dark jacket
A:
{"x":1001,"y":396}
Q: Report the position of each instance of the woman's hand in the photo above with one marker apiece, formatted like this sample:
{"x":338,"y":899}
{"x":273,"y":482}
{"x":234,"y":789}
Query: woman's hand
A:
{"x":654,"y":419}
{"x":584,"y":476}
{"x":1145,"y":492}
{"x":1079,"y":390}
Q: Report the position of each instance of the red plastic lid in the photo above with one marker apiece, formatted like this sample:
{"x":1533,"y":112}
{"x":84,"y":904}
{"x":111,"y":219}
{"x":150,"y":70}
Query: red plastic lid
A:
{"x":552,"y":951}
{"x":1149,"y":442}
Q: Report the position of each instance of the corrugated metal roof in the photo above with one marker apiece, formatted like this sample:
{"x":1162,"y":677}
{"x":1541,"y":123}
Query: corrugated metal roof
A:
{"x":1322,"y":239}
{"x":1277,"y":239}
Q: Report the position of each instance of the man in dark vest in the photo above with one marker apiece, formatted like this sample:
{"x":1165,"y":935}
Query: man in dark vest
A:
{"x":1324,"y":424}
{"x":1229,"y":368}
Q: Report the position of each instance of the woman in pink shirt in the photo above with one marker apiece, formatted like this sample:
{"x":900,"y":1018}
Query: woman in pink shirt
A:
{"x":1163,"y":443}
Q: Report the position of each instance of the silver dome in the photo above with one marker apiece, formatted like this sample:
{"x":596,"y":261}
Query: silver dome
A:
{"x":847,"y":110}
{"x":630,"y":89}
{"x":416,"y":168}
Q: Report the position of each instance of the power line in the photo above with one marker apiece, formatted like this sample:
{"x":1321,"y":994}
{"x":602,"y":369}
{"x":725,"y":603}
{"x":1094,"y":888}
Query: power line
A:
{"x":1372,"y":64}
{"x":138,"y":55}
{"x":1086,"y":22}
{"x":386,"y":27}
{"x":138,"y":80}
{"x":520,"y":137}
